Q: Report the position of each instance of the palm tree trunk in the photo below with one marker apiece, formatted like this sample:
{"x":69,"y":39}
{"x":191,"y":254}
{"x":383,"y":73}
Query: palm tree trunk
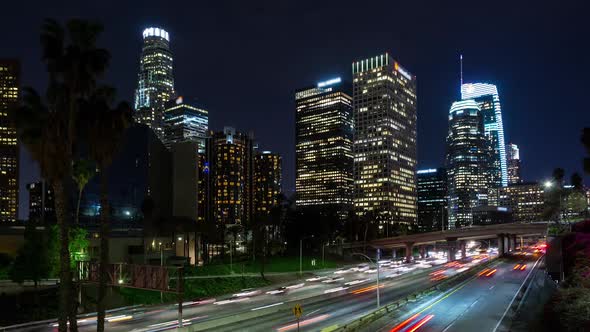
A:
{"x":104,"y":249}
{"x":78,"y":206}
{"x":64,"y":258}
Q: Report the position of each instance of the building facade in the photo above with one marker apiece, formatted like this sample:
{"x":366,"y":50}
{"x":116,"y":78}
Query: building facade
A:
{"x":488,"y":100}
{"x":323,"y":143}
{"x":384,"y":148}
{"x":513,"y":160}
{"x":231,"y":177}
{"x":9,"y":157}
{"x":155,"y":83}
{"x":468,"y":162}
{"x":432,"y":199}
{"x":185,"y":123}
{"x":526,"y":200}
{"x":267,"y":181}
{"x":41,"y":202}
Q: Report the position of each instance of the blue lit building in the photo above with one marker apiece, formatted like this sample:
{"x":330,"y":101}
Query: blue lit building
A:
{"x":432,"y":199}
{"x":488,"y":100}
{"x":185,"y":123}
{"x":468,"y":162}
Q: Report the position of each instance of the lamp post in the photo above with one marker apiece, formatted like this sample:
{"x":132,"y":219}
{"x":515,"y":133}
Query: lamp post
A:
{"x":301,"y":253}
{"x":376,"y":263}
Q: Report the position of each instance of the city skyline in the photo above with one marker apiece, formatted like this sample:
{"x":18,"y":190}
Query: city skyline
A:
{"x":437,"y":77}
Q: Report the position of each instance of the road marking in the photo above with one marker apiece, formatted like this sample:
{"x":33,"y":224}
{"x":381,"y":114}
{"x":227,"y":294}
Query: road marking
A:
{"x":492,"y":287}
{"x":312,"y":312}
{"x":267,"y":306}
{"x":472,"y":304}
{"x":515,"y":295}
{"x":449,"y":326}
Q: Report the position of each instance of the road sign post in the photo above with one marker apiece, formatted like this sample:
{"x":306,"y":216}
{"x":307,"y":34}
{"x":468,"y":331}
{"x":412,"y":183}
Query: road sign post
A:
{"x":297,"y":311}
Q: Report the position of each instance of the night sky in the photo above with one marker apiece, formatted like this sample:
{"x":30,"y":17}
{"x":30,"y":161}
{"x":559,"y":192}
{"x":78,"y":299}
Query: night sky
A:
{"x":243,"y":60}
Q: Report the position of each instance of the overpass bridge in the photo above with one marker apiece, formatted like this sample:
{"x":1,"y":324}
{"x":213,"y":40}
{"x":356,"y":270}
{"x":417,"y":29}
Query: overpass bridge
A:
{"x":455,"y":239}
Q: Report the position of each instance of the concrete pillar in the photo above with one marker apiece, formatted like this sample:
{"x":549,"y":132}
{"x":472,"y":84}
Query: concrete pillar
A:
{"x":513,"y":244}
{"x":501,"y":244}
{"x":409,"y":249}
{"x":509,"y":243}
{"x":463,"y":247}
{"x":394,"y":253}
{"x":422,"y":252}
{"x":452,"y":249}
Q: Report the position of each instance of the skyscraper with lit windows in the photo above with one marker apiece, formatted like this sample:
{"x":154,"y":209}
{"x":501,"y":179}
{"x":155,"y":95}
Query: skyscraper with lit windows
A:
{"x":486,"y":96}
{"x":155,"y":84}
{"x":267,"y":181}
{"x":468,"y":162}
{"x":323,"y":143}
{"x":385,"y":113}
{"x":184,"y":122}
{"x":9,"y":94}
{"x":513,"y":160}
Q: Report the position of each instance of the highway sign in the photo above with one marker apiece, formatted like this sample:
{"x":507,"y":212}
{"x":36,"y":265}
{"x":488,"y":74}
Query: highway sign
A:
{"x":297,"y":310}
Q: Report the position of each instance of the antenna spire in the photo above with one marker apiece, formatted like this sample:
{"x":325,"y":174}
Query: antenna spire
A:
{"x":461,"y":67}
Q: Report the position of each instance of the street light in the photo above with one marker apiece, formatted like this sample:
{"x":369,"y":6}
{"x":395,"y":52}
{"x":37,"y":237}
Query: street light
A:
{"x":301,"y":253}
{"x":548,"y":184}
{"x":376,"y":263}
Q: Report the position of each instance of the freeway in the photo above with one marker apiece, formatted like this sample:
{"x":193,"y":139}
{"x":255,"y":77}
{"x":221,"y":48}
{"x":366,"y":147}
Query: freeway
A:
{"x":328,"y":299}
{"x":479,"y":304}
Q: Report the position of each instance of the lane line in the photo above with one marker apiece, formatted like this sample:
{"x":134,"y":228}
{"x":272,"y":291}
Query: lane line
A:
{"x":515,"y":295}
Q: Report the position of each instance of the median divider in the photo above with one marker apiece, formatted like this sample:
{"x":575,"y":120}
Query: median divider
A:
{"x":441,"y":286}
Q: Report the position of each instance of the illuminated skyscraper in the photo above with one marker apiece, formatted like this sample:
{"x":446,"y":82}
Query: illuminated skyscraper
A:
{"x":323,"y":143}
{"x":486,"y":96}
{"x":9,"y":92}
{"x":513,"y":160}
{"x":384,"y":147}
{"x":468,"y":162}
{"x":231,"y":177}
{"x":267,"y":181}
{"x":155,"y":85}
{"x":432,"y":199}
{"x":184,"y":122}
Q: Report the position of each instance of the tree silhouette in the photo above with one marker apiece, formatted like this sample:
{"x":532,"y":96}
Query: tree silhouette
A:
{"x":83,"y":171}
{"x":586,"y":142}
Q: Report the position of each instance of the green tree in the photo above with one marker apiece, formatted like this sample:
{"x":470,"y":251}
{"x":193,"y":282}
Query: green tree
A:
{"x":83,"y":171}
{"x":32,"y":261}
{"x":49,"y":126}
{"x":104,"y":127}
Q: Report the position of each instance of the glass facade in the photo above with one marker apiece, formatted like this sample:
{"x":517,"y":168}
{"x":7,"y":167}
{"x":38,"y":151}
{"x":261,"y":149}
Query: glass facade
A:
{"x":384,"y":148}
{"x":184,"y":122}
{"x":432,"y":199}
{"x":267,"y":181}
{"x":468,"y":162}
{"x":155,"y":84}
{"x":486,"y":96}
{"x":9,"y":94}
{"x":513,"y":159}
{"x":323,"y":143}
{"x":525,"y":200}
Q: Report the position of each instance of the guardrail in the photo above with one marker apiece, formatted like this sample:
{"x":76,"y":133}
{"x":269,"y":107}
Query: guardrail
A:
{"x":440,"y":286}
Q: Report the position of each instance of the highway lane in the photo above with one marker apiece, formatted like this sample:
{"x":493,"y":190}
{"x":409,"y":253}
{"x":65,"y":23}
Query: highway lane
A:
{"x":477,"y":305}
{"x":317,"y":297}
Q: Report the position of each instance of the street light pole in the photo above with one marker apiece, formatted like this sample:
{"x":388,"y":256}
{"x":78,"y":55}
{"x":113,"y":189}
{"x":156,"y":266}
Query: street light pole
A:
{"x":376,"y":263}
{"x":300,"y":257}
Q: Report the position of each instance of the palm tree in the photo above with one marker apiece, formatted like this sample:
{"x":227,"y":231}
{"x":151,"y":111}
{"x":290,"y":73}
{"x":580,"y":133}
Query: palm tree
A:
{"x":104,"y":127}
{"x":47,"y":126}
{"x":83,"y":171}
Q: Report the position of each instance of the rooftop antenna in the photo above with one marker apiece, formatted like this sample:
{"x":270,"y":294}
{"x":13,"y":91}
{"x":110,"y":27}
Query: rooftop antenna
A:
{"x":461,"y":67}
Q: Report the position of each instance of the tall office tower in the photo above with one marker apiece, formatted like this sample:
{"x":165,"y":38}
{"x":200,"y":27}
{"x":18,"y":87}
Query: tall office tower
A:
{"x":155,"y":83}
{"x":232,"y":177}
{"x":41,"y":202}
{"x":513,"y":160}
{"x":267,"y":181}
{"x":184,"y":122}
{"x":486,"y":96}
{"x":384,"y":95}
{"x":9,"y":93}
{"x":468,"y":162}
{"x":525,"y":200}
{"x":323,"y":144}
{"x":432,"y":199}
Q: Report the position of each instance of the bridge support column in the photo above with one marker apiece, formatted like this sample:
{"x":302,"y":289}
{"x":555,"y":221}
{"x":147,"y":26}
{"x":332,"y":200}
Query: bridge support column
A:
{"x":409,"y":249}
{"x":501,"y":245}
{"x":422,"y":252}
{"x":513,"y":242}
{"x":394,"y":253}
{"x":452,"y":249}
{"x":463,"y":247}
{"x":508,"y":238}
